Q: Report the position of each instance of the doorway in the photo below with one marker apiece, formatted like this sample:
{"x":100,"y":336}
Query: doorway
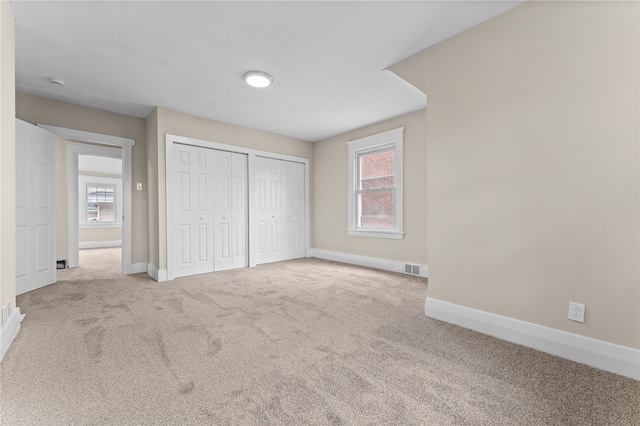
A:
{"x":99,"y":204}
{"x":99,"y":145}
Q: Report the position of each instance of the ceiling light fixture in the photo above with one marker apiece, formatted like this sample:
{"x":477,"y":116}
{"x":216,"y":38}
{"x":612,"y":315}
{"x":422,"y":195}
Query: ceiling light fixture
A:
{"x":258,"y":79}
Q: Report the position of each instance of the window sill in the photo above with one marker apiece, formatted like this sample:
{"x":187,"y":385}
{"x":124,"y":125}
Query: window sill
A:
{"x":100,"y":225}
{"x":392,"y":235}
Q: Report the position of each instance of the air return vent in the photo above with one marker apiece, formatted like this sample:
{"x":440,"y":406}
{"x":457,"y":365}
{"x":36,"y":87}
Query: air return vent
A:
{"x":412,"y":269}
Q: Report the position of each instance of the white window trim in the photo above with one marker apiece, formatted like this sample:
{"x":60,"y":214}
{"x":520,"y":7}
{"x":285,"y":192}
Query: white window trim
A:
{"x":85,"y":180}
{"x":389,"y":139}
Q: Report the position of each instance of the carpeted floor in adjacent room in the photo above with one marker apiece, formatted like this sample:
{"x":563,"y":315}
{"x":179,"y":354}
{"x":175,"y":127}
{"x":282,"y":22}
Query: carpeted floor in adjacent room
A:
{"x":290,"y":343}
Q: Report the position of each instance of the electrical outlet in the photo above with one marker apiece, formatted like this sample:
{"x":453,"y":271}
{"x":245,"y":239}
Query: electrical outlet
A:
{"x":576,"y":311}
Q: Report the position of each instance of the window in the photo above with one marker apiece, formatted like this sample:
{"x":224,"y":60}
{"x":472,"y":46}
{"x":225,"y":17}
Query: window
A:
{"x":375,"y":185}
{"x":101,"y":205}
{"x":99,"y":201}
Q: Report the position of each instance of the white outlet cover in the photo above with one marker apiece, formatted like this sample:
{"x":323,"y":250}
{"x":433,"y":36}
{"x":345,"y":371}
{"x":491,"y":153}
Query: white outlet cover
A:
{"x":576,"y":311}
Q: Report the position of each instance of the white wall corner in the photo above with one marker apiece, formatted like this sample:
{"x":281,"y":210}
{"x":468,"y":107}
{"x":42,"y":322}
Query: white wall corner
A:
{"x":595,"y":353}
{"x":370,"y":262}
{"x":9,"y":331}
{"x":159,"y":275}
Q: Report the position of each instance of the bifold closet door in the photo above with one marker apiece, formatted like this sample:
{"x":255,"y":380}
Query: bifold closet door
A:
{"x":192,"y":192}
{"x":230,"y":210}
{"x":268,"y":210}
{"x":293,"y":211}
{"x":280,"y":206}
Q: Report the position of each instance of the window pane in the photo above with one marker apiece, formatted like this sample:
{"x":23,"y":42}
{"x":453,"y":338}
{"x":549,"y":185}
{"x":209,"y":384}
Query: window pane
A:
{"x":92,"y":212}
{"x":107,"y":212}
{"x":375,"y":209}
{"x":92,"y":192}
{"x":376,"y":169}
{"x":101,"y":203}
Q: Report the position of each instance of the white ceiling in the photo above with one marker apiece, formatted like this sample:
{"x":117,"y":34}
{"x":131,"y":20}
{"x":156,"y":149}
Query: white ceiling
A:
{"x":327,"y":59}
{"x":92,"y":165}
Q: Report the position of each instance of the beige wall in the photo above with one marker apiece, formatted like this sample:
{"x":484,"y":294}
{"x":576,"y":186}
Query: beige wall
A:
{"x":177,"y":123}
{"x":330,"y":194}
{"x":7,"y":156}
{"x":532,"y":161}
{"x":36,"y":110}
{"x":88,"y":235}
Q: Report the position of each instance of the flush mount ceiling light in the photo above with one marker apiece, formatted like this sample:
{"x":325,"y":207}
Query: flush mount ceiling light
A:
{"x":258,"y":79}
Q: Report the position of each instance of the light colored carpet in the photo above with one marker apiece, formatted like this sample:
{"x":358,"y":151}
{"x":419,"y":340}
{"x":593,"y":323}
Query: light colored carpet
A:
{"x":298,"y":342}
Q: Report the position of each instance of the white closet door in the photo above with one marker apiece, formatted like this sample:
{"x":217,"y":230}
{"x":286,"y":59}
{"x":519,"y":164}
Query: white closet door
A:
{"x":293,"y":217}
{"x":268,"y":210}
{"x":35,"y":207}
{"x":193,"y":253}
{"x":239,"y":198}
{"x":230,"y":210}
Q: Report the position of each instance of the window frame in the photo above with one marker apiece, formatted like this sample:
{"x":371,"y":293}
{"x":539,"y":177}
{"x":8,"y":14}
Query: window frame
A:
{"x":392,"y":139}
{"x":83,"y":182}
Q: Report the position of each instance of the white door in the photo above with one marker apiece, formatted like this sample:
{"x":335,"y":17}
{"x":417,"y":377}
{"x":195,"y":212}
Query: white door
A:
{"x":293,"y":217}
{"x":192,"y":192}
{"x":230,"y":210}
{"x":35,"y":207}
{"x":268,"y":211}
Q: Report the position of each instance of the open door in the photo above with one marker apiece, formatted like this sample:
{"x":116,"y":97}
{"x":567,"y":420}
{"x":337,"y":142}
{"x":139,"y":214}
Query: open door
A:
{"x":35,"y":207}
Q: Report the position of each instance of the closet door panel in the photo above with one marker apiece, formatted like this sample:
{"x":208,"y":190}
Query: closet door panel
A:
{"x":194,"y":230}
{"x":230,"y":210}
{"x":268,"y":214}
{"x":239,"y":212}
{"x":293,"y":210}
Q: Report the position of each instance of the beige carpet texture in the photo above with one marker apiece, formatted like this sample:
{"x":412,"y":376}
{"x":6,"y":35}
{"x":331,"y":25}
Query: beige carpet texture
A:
{"x":304,"y":342}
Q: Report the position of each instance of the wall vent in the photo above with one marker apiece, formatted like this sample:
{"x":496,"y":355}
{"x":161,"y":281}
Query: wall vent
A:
{"x":411,"y":269}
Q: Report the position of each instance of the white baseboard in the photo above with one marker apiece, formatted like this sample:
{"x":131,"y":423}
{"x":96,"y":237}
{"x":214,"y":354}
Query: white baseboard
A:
{"x":9,"y":331}
{"x":159,"y":275}
{"x":99,"y":244}
{"x":596,"y":353}
{"x":371,"y":262}
{"x":138,"y":268}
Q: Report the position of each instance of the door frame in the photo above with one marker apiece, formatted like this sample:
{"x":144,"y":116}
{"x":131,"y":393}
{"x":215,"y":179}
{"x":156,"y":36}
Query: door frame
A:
{"x":107,"y":146}
{"x":170,"y":140}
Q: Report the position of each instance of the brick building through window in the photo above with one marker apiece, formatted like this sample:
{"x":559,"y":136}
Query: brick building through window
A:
{"x":377,"y":176}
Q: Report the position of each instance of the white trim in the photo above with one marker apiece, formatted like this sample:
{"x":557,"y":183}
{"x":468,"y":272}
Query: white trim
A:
{"x":370,"y":262}
{"x":156,"y":274}
{"x":385,"y":140}
{"x":152,"y":271}
{"x":377,"y":234}
{"x":100,"y":225}
{"x":170,"y":140}
{"x":72,"y":208}
{"x":9,"y":331}
{"x":88,"y":136}
{"x":139,"y":268}
{"x":596,"y":353}
{"x":99,"y":244}
{"x":125,"y":153}
{"x":83,"y":181}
